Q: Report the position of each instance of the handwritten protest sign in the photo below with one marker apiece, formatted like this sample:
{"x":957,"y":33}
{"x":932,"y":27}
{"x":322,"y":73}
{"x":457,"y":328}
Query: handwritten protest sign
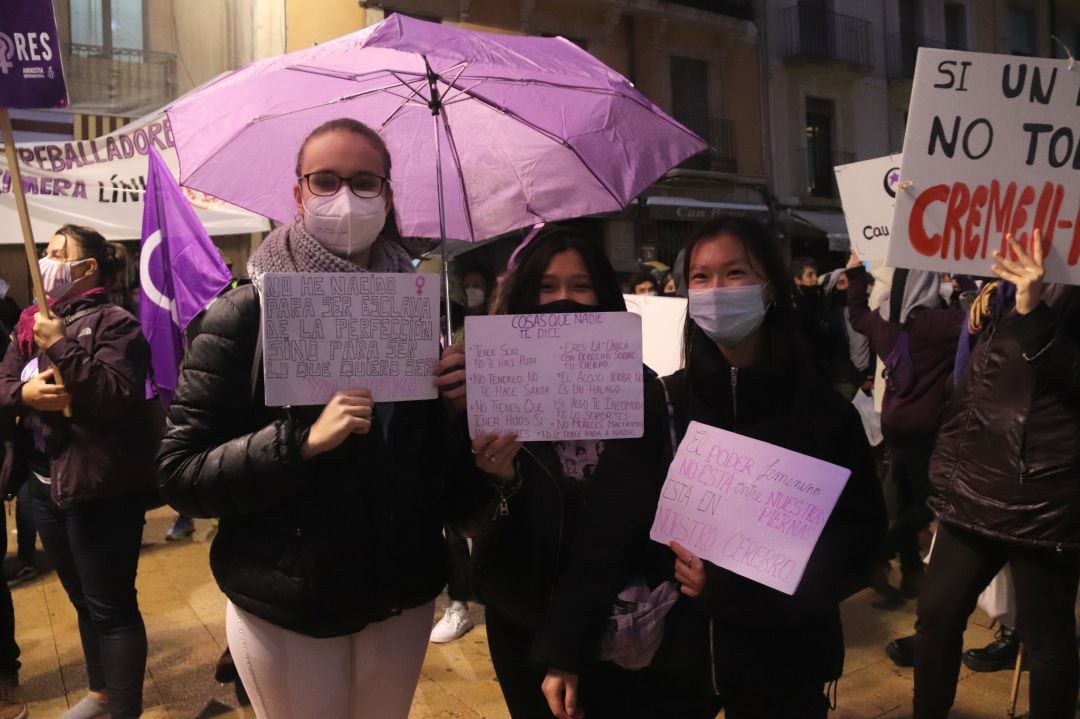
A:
{"x":868,"y":193}
{"x":326,"y":331}
{"x":555,"y":376}
{"x":992,"y":147}
{"x":747,"y":506}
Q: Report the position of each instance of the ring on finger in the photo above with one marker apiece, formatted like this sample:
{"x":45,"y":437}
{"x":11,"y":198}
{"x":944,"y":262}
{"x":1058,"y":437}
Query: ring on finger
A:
{"x":493,"y":458}
{"x":690,"y":560}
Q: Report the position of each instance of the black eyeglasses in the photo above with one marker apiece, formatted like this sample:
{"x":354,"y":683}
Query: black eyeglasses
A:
{"x":325,"y":183}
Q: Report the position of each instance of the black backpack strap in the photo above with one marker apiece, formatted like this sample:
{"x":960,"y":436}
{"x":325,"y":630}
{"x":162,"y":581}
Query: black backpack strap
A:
{"x":671,"y":419}
{"x":85,"y":312}
{"x":256,"y":360}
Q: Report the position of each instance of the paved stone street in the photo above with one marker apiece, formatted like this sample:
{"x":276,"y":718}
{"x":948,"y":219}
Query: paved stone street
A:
{"x":185,"y":619}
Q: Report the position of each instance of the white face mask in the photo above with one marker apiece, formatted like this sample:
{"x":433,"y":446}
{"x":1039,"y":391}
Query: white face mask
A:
{"x":946,"y":290}
{"x":56,"y":276}
{"x":343,"y":223}
{"x":728,"y":315}
{"x":474,"y":297}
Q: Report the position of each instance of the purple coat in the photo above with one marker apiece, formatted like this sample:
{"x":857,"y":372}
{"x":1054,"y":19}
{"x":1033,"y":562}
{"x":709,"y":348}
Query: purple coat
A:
{"x":106,"y":447}
{"x":934,"y":334}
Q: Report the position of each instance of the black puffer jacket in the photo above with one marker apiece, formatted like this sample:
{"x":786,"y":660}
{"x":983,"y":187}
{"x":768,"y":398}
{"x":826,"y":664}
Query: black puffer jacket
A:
{"x":322,"y":547}
{"x":737,"y":613}
{"x":1007,"y":461}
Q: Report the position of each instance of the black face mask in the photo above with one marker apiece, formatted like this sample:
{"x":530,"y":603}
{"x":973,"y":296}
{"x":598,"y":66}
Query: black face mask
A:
{"x":561,"y":307}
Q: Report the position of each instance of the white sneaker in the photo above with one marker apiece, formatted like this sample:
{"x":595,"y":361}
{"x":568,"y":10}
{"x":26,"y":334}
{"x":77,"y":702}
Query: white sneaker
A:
{"x":454,"y":623}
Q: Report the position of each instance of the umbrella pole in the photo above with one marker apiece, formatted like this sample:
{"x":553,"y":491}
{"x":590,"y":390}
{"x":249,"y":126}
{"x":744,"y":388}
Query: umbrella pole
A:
{"x":435,"y":104}
{"x":17,"y":189}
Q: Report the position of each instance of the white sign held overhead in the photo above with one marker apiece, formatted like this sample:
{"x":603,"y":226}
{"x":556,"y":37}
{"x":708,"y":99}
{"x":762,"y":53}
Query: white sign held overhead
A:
{"x":992,"y":148}
{"x":868,"y":193}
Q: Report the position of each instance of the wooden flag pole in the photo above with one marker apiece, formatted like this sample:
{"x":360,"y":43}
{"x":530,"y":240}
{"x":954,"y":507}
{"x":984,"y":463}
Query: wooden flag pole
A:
{"x":27,"y":231}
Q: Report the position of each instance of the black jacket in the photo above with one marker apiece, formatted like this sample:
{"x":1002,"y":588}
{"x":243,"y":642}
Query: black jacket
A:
{"x":522,"y":532}
{"x":322,"y":547}
{"x":1007,"y":461}
{"x":745,"y":620}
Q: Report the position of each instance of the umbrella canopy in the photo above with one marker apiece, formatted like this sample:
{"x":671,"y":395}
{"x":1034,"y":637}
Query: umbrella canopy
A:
{"x":523,"y":129}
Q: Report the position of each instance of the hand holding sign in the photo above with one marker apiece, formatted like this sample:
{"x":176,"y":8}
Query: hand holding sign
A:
{"x":495,"y":455}
{"x":1026,"y":272}
{"x":48,"y":330}
{"x":689,"y":571}
{"x":450,"y":377}
{"x":348,"y":412}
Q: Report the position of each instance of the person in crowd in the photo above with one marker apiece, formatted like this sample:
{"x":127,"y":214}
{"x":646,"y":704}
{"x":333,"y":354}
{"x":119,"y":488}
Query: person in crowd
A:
{"x":537,"y":490}
{"x":1005,"y":475}
{"x":668,"y":287}
{"x":915,"y":336}
{"x":847,"y":376}
{"x":824,"y":340}
{"x":478,"y":284}
{"x":25,"y":567}
{"x":89,"y":468}
{"x":746,"y":371}
{"x":330,"y":548}
{"x":643,"y":283}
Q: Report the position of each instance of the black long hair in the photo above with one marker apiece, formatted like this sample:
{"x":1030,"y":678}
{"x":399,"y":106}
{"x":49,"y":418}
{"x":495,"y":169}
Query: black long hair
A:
{"x":785,"y":349}
{"x":522,"y":290}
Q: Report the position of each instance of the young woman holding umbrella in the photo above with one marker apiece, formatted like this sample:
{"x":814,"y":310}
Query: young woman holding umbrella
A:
{"x":89,"y":473}
{"x":746,"y":371}
{"x":330,"y":546}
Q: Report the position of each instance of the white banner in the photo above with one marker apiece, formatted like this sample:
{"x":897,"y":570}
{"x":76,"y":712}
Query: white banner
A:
{"x":992,"y":148}
{"x":100,"y":183}
{"x":868,"y":193}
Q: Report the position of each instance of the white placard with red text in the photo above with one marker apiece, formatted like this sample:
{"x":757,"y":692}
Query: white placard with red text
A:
{"x":992,"y":147}
{"x":747,"y":506}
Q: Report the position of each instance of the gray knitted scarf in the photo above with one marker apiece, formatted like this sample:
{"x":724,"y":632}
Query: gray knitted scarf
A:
{"x":290,"y":248}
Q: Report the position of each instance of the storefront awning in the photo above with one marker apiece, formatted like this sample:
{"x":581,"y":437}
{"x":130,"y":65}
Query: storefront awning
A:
{"x":830,"y":224}
{"x":687,"y":209}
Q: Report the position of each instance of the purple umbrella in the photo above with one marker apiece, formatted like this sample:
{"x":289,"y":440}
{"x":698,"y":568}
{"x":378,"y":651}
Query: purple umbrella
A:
{"x":514,"y":130}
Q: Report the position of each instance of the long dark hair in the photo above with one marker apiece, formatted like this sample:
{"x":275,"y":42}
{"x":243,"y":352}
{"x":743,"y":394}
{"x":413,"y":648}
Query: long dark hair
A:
{"x":522,"y":289}
{"x":786,"y":351}
{"x":111,"y":257}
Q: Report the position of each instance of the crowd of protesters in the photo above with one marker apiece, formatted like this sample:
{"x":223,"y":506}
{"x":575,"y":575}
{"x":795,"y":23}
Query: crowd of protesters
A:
{"x":331,"y":566}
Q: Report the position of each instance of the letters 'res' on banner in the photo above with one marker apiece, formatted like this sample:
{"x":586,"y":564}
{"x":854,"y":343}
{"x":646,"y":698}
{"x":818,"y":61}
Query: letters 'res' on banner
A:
{"x":31,"y":73}
{"x":992,"y":148}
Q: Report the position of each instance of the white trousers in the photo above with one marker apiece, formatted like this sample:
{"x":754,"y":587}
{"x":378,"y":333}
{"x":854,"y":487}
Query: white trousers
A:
{"x":368,"y":675}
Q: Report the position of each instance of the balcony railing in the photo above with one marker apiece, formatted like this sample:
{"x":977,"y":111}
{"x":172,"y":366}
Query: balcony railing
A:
{"x":815,"y":35}
{"x":818,"y":165}
{"x":743,"y":9}
{"x":720,"y":134}
{"x":901,"y":50}
{"x":118,"y":80}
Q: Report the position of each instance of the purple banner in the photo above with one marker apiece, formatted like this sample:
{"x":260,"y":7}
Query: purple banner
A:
{"x":31,"y":73}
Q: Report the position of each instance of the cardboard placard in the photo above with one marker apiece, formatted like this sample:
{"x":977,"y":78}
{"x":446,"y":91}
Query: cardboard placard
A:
{"x":868,"y":193}
{"x":555,"y":376}
{"x":328,"y":331}
{"x":747,"y":506}
{"x":992,"y":148}
{"x":662,"y":321}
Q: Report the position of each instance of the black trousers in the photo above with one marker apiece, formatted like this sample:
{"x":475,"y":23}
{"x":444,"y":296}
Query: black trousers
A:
{"x":459,"y":587}
{"x":94,"y":547}
{"x":24,"y":525}
{"x":910,"y":453}
{"x":606,"y":691}
{"x":9,"y":650}
{"x":961,"y":566}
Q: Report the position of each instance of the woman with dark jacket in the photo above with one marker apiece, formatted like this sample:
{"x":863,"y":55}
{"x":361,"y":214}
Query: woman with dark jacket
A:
{"x":910,"y":414}
{"x":89,"y":470}
{"x":1005,"y":479}
{"x":330,"y":547}
{"x":747,"y":372}
{"x":537,"y":490}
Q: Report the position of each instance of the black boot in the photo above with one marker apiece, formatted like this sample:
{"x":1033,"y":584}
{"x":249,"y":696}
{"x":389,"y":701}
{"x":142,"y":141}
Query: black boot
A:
{"x":902,"y":651}
{"x":997,"y":655}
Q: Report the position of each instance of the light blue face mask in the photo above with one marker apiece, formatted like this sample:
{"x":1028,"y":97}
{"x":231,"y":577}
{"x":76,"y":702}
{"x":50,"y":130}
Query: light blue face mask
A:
{"x":728,"y":315}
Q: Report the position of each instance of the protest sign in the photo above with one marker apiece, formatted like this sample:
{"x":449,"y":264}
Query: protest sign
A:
{"x":662,"y":320}
{"x":992,"y":148}
{"x":868,"y":193}
{"x":747,"y":506}
{"x":101,"y":183}
{"x":328,"y":331}
{"x":31,"y":74}
{"x":555,"y":376}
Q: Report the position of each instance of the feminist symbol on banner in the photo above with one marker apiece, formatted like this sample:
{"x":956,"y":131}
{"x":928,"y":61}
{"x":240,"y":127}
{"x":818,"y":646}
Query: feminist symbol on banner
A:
{"x":420,"y":285}
{"x":150,"y":290}
{"x":7,"y":51}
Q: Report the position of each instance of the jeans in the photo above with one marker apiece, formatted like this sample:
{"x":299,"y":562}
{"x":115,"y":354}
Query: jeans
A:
{"x":961,"y":566}
{"x":94,"y":547}
{"x":9,"y":650}
{"x":910,"y":470}
{"x":24,"y":524}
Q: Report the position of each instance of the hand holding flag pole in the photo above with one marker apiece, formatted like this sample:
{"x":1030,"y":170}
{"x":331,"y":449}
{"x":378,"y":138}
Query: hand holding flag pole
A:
{"x":27,"y":230}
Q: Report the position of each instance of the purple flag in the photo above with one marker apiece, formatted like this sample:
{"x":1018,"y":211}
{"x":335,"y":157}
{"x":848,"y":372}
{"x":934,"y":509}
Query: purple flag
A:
{"x":180,"y":271}
{"x":31,"y":74}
